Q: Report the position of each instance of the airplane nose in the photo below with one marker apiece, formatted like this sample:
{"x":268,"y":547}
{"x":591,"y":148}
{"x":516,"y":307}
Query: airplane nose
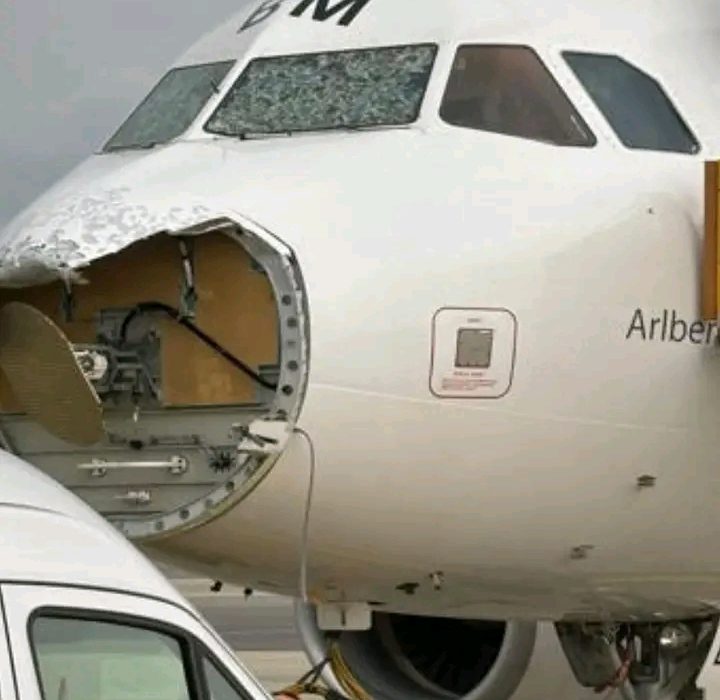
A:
{"x":180,"y":320}
{"x":107,"y":204}
{"x":70,"y":232}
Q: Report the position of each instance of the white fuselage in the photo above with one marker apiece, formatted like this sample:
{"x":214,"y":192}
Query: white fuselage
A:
{"x":530,"y":504}
{"x":496,"y":494}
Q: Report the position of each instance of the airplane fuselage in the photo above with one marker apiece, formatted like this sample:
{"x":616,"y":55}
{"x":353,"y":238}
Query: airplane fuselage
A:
{"x":578,"y":482}
{"x":524,"y":500}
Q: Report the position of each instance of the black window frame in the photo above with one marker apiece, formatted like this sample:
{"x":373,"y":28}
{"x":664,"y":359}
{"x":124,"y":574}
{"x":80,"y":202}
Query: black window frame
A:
{"x":592,"y":140}
{"x":270,"y":134}
{"x":192,"y":649}
{"x":663,"y":90}
{"x":205,"y":653}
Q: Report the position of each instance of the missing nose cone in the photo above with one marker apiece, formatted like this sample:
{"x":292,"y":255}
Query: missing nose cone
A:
{"x":161,"y":382}
{"x":40,"y":366}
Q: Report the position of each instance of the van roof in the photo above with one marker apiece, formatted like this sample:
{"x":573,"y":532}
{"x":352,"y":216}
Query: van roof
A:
{"x":48,"y":535}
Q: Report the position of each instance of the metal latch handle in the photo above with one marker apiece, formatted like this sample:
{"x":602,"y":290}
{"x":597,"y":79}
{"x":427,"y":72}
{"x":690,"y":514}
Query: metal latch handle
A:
{"x":100,"y":467}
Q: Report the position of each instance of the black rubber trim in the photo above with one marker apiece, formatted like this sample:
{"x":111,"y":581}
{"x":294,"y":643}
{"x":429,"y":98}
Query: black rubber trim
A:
{"x":104,"y":589}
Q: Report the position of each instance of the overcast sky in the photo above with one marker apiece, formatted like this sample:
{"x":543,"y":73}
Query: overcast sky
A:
{"x":72,"y":70}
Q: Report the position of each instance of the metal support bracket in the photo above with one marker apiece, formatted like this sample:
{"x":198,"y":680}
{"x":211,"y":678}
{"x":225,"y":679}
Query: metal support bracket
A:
{"x":99,"y":468}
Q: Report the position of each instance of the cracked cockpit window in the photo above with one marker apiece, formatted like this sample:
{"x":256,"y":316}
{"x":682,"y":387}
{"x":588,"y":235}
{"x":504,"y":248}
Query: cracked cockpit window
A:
{"x":338,"y":90}
{"x":171,"y":107}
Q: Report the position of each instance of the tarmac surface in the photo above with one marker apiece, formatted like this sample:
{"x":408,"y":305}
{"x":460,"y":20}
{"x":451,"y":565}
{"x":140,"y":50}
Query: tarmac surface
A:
{"x":259,"y":623}
{"x":261,"y":629}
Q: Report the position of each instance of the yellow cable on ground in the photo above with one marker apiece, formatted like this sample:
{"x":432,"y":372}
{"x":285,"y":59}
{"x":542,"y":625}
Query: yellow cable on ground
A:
{"x":345,"y":676}
{"x":295,"y":691}
{"x":308,"y":684}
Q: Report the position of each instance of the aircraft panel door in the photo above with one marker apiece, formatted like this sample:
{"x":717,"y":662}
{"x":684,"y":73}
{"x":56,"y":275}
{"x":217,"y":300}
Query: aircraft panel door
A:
{"x":71,"y":643}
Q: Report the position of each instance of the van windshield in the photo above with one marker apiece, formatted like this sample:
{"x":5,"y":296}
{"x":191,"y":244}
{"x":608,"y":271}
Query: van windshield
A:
{"x":312,"y":92}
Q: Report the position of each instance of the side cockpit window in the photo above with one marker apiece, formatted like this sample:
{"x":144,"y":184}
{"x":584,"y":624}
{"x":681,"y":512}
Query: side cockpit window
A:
{"x":171,"y":107}
{"x":633,"y":102}
{"x":508,"y":90}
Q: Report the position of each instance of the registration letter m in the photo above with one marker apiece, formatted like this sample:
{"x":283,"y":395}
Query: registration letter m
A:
{"x":324,"y":9}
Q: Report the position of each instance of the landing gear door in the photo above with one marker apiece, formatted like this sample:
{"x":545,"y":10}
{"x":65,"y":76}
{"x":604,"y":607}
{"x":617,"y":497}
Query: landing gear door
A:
{"x":74,"y":642}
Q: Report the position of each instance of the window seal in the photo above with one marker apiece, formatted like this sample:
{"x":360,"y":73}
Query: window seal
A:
{"x":591,"y":138}
{"x":206,"y":654}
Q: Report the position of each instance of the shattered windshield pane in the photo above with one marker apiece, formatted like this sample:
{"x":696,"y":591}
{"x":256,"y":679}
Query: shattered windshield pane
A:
{"x":171,"y":107}
{"x":311,"y":92}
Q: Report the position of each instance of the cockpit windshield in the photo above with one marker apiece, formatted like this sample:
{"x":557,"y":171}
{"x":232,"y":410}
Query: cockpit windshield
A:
{"x":171,"y":107}
{"x":338,"y":90}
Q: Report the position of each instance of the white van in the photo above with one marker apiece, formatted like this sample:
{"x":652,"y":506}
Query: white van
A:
{"x":84,"y":616}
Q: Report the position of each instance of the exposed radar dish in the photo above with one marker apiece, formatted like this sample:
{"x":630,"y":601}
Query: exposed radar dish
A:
{"x":44,"y":374}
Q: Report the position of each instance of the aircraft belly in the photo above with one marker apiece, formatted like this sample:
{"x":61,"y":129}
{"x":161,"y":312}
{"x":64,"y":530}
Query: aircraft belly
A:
{"x":558,"y":497}
{"x":518,"y":528}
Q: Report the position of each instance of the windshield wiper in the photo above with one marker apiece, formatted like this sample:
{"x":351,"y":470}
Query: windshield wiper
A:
{"x":370,"y":127}
{"x":133,"y":147}
{"x":256,"y":135}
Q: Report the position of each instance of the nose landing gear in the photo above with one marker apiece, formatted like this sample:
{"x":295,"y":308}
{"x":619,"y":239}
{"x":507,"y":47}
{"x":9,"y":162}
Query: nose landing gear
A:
{"x":640,"y":661}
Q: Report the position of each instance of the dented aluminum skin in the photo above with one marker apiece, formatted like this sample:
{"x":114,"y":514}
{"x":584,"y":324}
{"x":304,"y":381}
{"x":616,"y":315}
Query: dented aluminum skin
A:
{"x":54,"y":242}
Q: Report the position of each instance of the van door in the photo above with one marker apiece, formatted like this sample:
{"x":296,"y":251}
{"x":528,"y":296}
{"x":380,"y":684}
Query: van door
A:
{"x":8,"y":690}
{"x":77,"y":643}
